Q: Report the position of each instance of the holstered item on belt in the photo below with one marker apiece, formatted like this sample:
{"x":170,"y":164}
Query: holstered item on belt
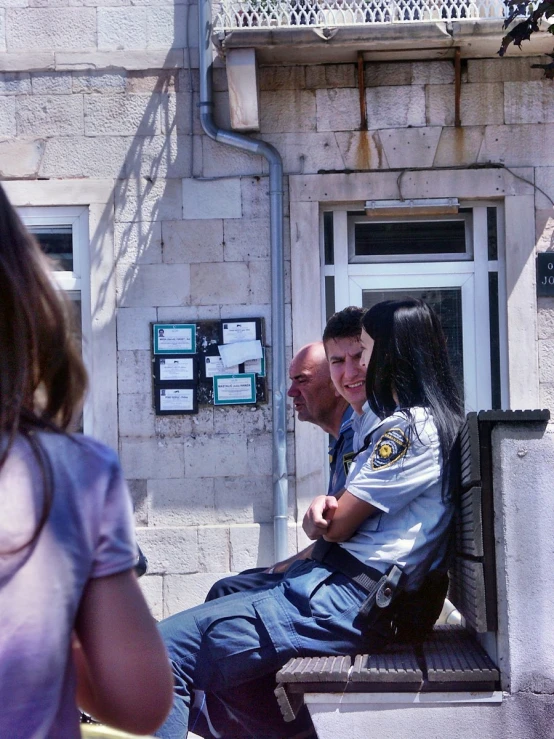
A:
{"x":383,"y":592}
{"x":380,"y":588}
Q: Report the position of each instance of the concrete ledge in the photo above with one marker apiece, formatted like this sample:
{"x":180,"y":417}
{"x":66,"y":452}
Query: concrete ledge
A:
{"x":378,"y":42}
{"x":331,"y":700}
{"x":519,"y":716}
{"x":41,"y":61}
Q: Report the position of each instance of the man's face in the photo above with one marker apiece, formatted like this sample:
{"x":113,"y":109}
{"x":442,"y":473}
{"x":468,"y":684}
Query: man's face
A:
{"x":311,"y":388}
{"x":347,"y":372}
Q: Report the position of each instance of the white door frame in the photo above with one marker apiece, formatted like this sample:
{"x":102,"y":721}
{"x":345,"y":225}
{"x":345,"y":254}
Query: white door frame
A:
{"x":476,"y":378}
{"x":308,"y":193}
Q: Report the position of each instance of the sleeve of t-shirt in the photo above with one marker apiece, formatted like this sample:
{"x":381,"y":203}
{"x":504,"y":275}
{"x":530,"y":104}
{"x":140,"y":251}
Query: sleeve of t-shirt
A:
{"x":397,"y":467}
{"x":116,"y":549}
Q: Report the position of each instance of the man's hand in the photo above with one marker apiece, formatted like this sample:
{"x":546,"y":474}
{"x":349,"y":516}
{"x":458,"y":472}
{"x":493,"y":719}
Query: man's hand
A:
{"x":279,"y":567}
{"x":286,"y":563}
{"x":319,"y":515}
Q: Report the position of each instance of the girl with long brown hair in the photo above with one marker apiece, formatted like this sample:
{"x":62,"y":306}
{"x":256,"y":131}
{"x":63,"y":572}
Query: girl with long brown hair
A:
{"x":74,"y":626}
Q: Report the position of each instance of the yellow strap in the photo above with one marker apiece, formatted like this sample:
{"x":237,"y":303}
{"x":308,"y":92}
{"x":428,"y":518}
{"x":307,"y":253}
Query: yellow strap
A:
{"x":95,"y":731}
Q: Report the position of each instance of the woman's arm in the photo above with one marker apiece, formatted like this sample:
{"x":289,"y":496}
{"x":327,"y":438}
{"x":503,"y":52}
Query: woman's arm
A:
{"x":350,"y":514}
{"x":336,"y":520}
{"x":123,"y":673}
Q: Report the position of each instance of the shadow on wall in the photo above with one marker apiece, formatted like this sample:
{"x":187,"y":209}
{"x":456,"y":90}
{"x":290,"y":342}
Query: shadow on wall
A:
{"x":148,"y":187}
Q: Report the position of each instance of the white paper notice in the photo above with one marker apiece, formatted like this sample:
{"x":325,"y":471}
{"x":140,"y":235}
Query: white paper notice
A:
{"x":214,"y":366}
{"x":235,"y":389}
{"x":177,"y":399}
{"x":176,"y":369}
{"x":174,"y":339}
{"x":243,"y":331}
{"x":253,"y":365}
{"x":240,"y":352}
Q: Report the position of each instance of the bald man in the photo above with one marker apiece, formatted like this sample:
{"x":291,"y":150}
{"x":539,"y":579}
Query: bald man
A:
{"x":316,"y":401}
{"x":312,"y":391}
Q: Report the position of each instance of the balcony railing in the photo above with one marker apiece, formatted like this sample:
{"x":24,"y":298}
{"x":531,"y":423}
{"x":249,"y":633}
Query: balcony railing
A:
{"x":232,"y":14}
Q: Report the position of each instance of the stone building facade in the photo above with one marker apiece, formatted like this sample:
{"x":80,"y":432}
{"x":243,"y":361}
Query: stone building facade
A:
{"x":99,"y":126}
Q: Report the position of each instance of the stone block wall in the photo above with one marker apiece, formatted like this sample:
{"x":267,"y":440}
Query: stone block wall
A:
{"x":107,"y":90}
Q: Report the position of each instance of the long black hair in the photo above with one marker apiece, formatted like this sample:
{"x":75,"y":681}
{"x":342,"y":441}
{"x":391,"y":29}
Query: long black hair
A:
{"x":409,"y":367}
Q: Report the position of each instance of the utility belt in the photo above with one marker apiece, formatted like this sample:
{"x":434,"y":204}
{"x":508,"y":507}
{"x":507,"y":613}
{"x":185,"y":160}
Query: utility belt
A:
{"x":380,"y":588}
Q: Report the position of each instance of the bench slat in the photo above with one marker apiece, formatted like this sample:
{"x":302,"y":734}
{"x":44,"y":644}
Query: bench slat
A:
{"x":469,"y":452}
{"x":515,"y":416}
{"x":467,"y":592}
{"x":453,"y":656}
{"x":315,"y":670}
{"x":400,"y":666}
{"x":469,"y":524}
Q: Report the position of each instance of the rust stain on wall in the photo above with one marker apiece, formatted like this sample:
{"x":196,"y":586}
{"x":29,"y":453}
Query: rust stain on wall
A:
{"x":379,"y":147}
{"x":362,"y":154}
{"x":459,"y":145}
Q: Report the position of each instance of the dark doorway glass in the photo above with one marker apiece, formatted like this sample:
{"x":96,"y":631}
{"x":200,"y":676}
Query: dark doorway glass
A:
{"x":409,"y":238}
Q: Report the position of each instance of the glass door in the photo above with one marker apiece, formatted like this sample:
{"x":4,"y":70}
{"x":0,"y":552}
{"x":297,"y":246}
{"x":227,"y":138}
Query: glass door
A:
{"x":455,"y":262}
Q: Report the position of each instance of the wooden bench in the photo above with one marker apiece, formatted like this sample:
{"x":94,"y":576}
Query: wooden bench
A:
{"x":454,"y":658}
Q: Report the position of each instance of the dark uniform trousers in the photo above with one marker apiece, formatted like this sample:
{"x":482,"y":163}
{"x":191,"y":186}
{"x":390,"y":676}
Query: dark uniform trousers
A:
{"x":259,"y":577}
{"x":232,"y":647}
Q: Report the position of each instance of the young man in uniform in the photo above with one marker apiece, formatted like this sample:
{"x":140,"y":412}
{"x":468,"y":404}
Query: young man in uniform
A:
{"x":341,"y":339}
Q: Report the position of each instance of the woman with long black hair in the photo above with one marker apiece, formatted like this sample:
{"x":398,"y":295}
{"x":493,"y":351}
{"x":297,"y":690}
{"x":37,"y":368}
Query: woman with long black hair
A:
{"x":398,"y":502}
{"x":378,"y":539}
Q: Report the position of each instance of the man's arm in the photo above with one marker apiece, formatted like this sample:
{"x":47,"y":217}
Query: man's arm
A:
{"x":286,"y":563}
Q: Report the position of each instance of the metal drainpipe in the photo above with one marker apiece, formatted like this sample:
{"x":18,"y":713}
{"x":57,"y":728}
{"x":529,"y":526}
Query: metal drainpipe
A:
{"x":278,"y":375}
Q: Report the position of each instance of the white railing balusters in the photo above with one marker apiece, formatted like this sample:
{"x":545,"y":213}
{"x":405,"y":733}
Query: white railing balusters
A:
{"x":231,"y":14}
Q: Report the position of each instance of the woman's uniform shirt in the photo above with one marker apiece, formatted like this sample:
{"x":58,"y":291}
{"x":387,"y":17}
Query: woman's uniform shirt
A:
{"x":400,"y":474}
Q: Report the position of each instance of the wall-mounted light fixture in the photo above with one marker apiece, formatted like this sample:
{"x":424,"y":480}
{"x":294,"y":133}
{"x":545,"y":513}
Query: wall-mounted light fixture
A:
{"x":417,"y":207}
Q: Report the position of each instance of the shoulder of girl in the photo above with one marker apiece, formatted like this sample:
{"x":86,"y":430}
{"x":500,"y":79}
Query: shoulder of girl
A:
{"x":96,"y":450}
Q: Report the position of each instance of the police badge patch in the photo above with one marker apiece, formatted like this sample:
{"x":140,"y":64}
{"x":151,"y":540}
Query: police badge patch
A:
{"x":347,"y":461}
{"x":391,"y":447}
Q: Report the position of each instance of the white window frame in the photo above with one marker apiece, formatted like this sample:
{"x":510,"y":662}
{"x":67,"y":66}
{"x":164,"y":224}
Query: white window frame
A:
{"x":78,"y":280}
{"x":358,"y":259}
{"x":89,"y":204}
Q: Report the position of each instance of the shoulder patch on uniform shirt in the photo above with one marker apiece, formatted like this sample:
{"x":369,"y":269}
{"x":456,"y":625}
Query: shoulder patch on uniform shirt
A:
{"x":347,"y":461}
{"x":391,"y":447}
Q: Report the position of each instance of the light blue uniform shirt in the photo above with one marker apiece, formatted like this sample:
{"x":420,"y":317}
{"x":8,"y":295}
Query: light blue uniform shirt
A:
{"x":340,"y":454}
{"x":400,"y":475}
{"x":362,"y":425}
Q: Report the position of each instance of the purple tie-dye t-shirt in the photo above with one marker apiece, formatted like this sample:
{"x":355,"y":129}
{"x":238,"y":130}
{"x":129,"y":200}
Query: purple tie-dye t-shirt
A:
{"x":88,"y":534}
